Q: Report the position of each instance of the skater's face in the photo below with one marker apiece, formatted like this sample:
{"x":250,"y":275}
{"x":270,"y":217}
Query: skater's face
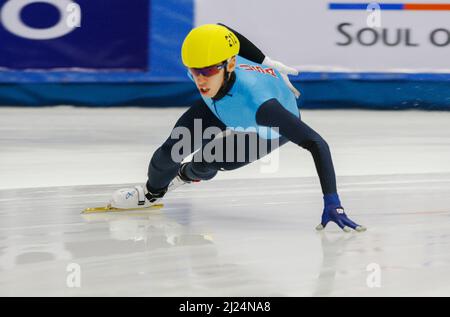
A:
{"x":210,"y":79}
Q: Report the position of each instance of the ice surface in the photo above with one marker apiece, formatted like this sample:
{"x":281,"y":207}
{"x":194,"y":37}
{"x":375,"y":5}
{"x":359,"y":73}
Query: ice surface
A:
{"x":245,"y":233}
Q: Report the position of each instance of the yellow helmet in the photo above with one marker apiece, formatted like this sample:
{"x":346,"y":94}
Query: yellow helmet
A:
{"x":208,"y":45}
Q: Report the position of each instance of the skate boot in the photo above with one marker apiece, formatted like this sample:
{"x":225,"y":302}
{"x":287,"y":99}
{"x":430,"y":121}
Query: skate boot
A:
{"x":135,"y":198}
{"x":139,"y":196}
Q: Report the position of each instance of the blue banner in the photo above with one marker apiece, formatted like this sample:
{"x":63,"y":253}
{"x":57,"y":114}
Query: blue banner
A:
{"x":93,"y":40}
{"x":114,"y":41}
{"x":111,"y":34}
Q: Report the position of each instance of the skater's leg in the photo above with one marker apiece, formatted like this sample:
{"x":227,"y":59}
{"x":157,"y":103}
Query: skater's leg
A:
{"x":163,"y":165}
{"x":232,"y":157}
{"x":240,"y":153}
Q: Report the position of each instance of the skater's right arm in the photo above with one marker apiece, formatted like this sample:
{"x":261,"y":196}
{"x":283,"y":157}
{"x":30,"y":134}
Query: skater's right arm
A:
{"x":272,"y":114}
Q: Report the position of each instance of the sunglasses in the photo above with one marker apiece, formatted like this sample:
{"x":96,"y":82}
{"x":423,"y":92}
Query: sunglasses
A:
{"x":207,"y":71}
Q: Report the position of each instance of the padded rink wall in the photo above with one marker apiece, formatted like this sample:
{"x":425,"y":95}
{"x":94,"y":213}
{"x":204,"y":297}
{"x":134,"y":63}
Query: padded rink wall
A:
{"x":127,"y":53}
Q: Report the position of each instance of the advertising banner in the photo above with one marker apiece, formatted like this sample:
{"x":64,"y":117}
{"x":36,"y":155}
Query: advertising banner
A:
{"x":81,"y":34}
{"x":342,"y":36}
{"x":140,"y":40}
{"x":93,"y":40}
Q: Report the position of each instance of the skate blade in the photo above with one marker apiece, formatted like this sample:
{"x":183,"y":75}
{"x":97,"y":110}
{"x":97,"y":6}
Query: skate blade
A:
{"x":108,"y":208}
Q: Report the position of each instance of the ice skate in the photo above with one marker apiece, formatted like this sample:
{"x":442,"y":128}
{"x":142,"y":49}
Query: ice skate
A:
{"x":139,"y":197}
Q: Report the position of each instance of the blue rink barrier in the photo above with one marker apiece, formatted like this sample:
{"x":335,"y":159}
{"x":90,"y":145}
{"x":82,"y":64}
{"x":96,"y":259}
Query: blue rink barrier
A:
{"x":383,"y":94}
{"x":316,"y":94}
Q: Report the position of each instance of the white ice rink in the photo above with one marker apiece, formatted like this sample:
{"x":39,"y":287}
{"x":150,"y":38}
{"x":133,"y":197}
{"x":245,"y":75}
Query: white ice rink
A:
{"x":245,"y":233}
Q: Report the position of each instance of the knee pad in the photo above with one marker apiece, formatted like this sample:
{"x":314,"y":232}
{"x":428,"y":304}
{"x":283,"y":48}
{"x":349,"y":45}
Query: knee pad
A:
{"x":202,"y":171}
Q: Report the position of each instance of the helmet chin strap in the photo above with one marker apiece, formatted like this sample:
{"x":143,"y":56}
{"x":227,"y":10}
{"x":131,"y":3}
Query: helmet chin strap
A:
{"x":226,"y":75}
{"x":228,"y":81}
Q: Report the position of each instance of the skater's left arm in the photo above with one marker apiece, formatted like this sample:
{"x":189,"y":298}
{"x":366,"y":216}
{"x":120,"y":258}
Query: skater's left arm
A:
{"x":272,"y":114}
{"x":247,"y":50}
{"x":251,"y":52}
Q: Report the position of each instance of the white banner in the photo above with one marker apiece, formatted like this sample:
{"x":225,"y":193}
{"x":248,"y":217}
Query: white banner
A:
{"x":339,"y":36}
